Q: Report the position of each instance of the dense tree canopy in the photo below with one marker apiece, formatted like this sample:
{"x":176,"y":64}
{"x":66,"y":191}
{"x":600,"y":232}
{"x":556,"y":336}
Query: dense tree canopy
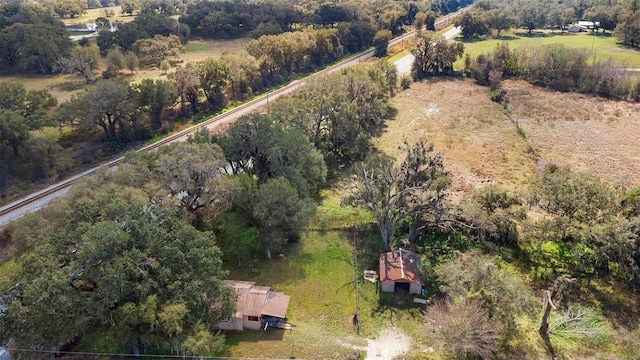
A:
{"x":434,"y":55}
{"x":101,"y":259}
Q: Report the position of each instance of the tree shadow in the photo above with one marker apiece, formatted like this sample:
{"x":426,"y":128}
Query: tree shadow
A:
{"x":506,"y":37}
{"x":285,"y":268}
{"x":533,"y":34}
{"x":235,"y":338}
{"x":600,"y":34}
{"x":471,"y":40}
{"x":547,"y":343}
{"x":616,"y":303}
{"x":71,"y":85}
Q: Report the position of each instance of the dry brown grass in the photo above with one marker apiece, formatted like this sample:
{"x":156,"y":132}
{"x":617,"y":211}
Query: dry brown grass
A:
{"x":92,"y":14}
{"x":481,"y":143}
{"x":61,"y":86}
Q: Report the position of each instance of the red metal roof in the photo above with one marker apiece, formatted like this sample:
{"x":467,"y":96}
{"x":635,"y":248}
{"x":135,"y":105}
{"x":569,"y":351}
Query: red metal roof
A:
{"x":400,"y":265}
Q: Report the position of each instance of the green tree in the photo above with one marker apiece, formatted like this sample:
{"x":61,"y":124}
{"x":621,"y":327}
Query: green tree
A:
{"x":472,"y":23}
{"x":13,"y":131}
{"x":532,"y":16}
{"x":628,"y":31}
{"x":420,"y":20}
{"x":33,"y":48}
{"x":110,"y":105}
{"x":131,"y":61}
{"x":154,"y":97}
{"x":243,"y":75}
{"x":164,"y":66}
{"x":115,"y":60}
{"x":194,"y":177}
{"x":129,"y":6}
{"x":116,"y":265}
{"x":381,"y":41}
{"x":214,"y":76}
{"x":83,"y":60}
{"x":339,"y":113}
{"x":584,"y":234}
{"x":434,"y":55}
{"x":151,"y":52}
{"x":275,"y":209}
{"x":187,"y":82}
{"x":35,"y":106}
{"x":501,"y":19}
{"x":258,"y":146}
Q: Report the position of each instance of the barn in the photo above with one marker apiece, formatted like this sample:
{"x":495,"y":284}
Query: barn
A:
{"x":400,"y":272}
{"x":257,"y":307}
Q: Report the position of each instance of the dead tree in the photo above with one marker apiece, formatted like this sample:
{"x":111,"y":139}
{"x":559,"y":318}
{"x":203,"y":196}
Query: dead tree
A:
{"x":550,"y":295}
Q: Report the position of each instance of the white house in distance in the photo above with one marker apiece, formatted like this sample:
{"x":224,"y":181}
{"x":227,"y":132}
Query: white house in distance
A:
{"x":257,"y":307}
{"x":400,"y":272}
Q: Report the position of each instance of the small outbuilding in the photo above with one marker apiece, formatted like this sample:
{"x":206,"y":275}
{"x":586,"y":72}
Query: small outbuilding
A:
{"x":257,"y":307}
{"x":573,"y":28}
{"x":400,"y":272}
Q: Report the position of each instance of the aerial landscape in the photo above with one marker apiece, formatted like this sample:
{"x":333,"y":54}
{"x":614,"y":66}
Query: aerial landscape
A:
{"x":352,"y":179}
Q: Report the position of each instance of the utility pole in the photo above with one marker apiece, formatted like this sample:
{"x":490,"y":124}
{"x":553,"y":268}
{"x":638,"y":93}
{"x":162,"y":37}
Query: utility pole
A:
{"x":355,"y":279}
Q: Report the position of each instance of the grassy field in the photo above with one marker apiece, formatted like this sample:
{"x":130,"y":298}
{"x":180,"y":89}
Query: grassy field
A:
{"x":482,"y":145}
{"x":318,"y":273}
{"x":604,"y":46}
{"x":92,"y":14}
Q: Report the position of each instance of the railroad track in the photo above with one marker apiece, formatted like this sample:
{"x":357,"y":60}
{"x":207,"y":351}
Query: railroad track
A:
{"x":228,"y":116}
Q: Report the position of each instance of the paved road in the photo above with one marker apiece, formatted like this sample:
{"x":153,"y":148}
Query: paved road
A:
{"x":40,"y":199}
{"x":404,"y":65}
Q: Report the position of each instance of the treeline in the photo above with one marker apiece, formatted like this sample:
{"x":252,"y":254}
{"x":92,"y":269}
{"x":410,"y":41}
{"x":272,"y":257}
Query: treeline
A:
{"x":620,"y":17}
{"x":128,"y":242}
{"x":556,"y":67}
{"x":227,"y":19}
{"x":33,"y":40}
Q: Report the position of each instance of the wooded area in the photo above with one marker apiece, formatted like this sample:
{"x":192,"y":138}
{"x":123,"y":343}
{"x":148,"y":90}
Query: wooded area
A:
{"x":133,"y":257}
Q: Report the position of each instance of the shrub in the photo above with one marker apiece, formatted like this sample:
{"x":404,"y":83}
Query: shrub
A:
{"x":406,"y":81}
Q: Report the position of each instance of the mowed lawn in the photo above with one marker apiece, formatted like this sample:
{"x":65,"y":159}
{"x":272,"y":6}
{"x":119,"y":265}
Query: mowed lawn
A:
{"x":318,"y":273}
{"x":602,"y":46}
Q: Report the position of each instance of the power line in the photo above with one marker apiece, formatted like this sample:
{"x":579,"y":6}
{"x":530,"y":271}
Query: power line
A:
{"x":126,"y":356}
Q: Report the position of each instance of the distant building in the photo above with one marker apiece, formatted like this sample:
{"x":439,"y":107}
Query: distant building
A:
{"x":400,"y":272}
{"x":257,"y":307}
{"x":573,"y":28}
{"x":589,"y":25}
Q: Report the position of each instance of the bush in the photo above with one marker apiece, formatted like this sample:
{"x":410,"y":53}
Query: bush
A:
{"x":406,"y":81}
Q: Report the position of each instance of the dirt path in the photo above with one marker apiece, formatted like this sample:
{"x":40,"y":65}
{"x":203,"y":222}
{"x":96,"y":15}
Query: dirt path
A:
{"x":390,"y":344}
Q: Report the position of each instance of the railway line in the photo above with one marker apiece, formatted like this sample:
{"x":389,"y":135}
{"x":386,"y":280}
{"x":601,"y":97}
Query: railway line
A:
{"x":38,"y":200}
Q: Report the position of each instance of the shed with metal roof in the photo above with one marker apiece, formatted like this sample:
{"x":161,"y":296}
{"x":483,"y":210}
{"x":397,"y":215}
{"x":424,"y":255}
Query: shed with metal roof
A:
{"x":400,"y":272}
{"x":257,"y":307}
